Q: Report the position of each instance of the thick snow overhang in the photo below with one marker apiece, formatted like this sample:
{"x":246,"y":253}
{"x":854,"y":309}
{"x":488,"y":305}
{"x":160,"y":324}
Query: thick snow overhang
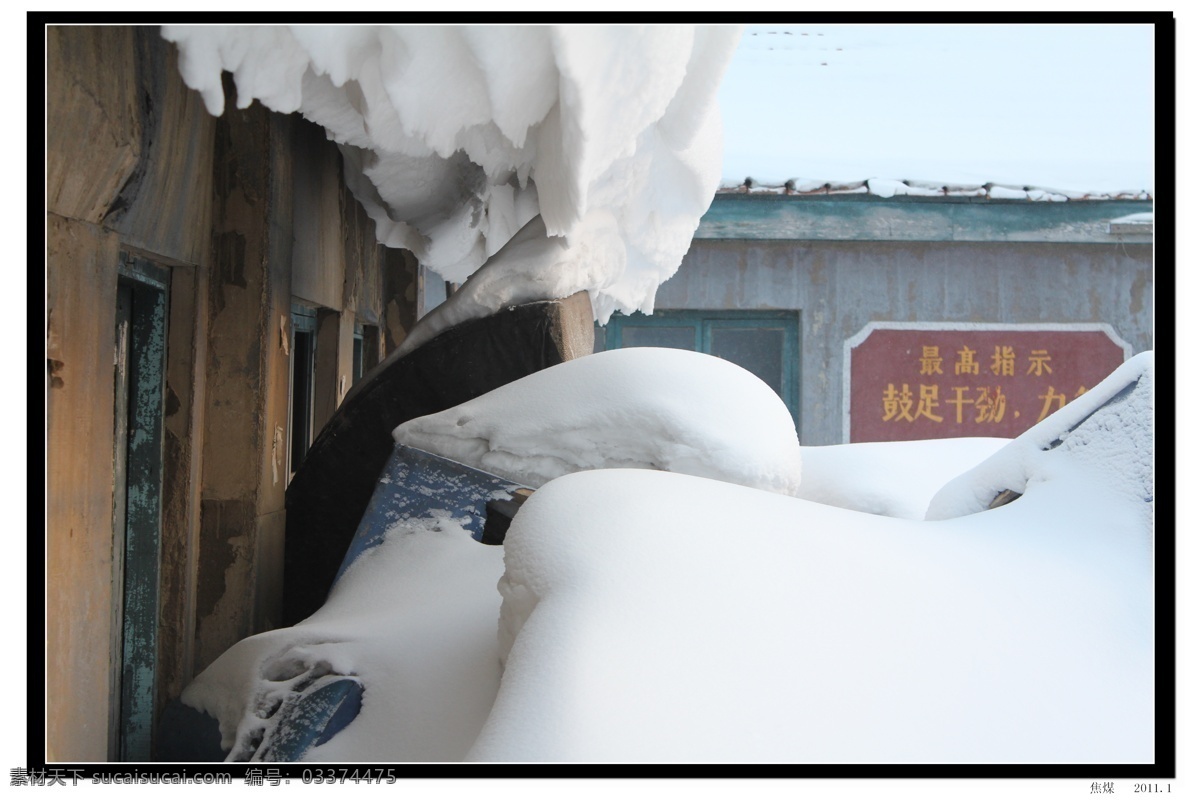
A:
{"x":455,"y":138}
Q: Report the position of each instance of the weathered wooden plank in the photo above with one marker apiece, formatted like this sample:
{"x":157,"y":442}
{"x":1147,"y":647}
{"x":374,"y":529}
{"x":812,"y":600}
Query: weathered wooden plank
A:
{"x":93,"y":126}
{"x":80,"y":306}
{"x":165,"y":206}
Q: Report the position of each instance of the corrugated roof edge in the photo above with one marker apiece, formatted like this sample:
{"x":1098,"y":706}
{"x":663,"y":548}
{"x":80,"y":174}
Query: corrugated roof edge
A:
{"x":880,"y":187}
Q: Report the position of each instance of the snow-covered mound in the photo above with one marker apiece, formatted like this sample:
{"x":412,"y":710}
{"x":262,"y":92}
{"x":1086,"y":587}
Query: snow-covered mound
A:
{"x":1106,"y":436}
{"x":642,"y":407}
{"x":879,"y":478}
{"x":650,"y":616}
{"x":414,"y":620}
{"x":455,"y":137}
{"x":688,"y":620}
{"x":663,"y":618}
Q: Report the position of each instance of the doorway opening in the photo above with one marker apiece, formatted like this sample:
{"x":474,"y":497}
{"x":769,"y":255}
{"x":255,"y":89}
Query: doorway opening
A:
{"x":139,"y":375}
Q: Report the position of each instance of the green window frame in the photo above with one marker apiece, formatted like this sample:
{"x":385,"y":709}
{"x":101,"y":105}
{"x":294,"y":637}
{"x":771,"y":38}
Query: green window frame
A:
{"x":718,"y":333}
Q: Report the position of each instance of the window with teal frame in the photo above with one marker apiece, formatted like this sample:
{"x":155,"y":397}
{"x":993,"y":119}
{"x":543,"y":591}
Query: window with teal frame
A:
{"x":767,"y":343}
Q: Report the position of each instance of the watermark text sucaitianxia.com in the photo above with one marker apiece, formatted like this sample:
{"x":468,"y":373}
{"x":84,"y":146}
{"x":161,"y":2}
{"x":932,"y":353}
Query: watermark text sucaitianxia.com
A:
{"x":56,"y":776}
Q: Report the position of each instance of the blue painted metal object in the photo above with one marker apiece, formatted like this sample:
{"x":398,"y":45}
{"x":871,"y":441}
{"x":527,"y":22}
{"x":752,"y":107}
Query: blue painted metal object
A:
{"x":420,"y":485}
{"x":303,"y":719}
{"x":312,"y":718}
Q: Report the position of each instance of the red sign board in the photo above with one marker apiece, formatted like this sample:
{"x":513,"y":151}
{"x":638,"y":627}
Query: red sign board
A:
{"x":935,"y":383}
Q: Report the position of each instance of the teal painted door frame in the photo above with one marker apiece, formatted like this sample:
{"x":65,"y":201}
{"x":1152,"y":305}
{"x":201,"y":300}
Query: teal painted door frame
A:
{"x":139,"y":381}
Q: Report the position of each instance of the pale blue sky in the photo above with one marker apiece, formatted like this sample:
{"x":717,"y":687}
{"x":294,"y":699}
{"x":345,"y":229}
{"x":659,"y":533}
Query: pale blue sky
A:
{"x":1055,"y":106}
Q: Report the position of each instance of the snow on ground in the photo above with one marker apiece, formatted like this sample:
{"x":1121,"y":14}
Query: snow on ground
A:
{"x":643,"y":407}
{"x":879,"y":478}
{"x":689,"y":620}
{"x":665,"y":618}
{"x":651,"y":616}
{"x":456,"y":137}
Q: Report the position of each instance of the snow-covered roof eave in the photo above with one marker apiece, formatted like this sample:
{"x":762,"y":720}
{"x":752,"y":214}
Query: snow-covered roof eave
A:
{"x":884,"y":187}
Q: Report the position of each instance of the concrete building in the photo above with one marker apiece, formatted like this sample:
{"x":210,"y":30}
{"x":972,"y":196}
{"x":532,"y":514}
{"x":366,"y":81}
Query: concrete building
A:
{"x":790,"y":283}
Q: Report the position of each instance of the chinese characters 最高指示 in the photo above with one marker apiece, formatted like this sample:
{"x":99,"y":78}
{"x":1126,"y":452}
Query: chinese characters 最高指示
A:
{"x":980,"y":404}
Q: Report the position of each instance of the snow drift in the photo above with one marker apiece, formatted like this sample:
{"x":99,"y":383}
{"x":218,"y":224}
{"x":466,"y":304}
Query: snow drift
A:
{"x":651,"y":616}
{"x":414,"y":620}
{"x":879,"y":477}
{"x":1116,"y":445}
{"x":666,"y":618}
{"x":643,"y":407}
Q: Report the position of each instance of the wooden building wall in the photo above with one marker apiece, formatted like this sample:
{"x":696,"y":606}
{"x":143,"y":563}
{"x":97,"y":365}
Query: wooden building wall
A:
{"x":247,"y":214}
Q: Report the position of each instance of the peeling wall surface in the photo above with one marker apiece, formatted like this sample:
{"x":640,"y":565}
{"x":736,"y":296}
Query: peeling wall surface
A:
{"x":245,"y":215}
{"x":839,"y":284}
